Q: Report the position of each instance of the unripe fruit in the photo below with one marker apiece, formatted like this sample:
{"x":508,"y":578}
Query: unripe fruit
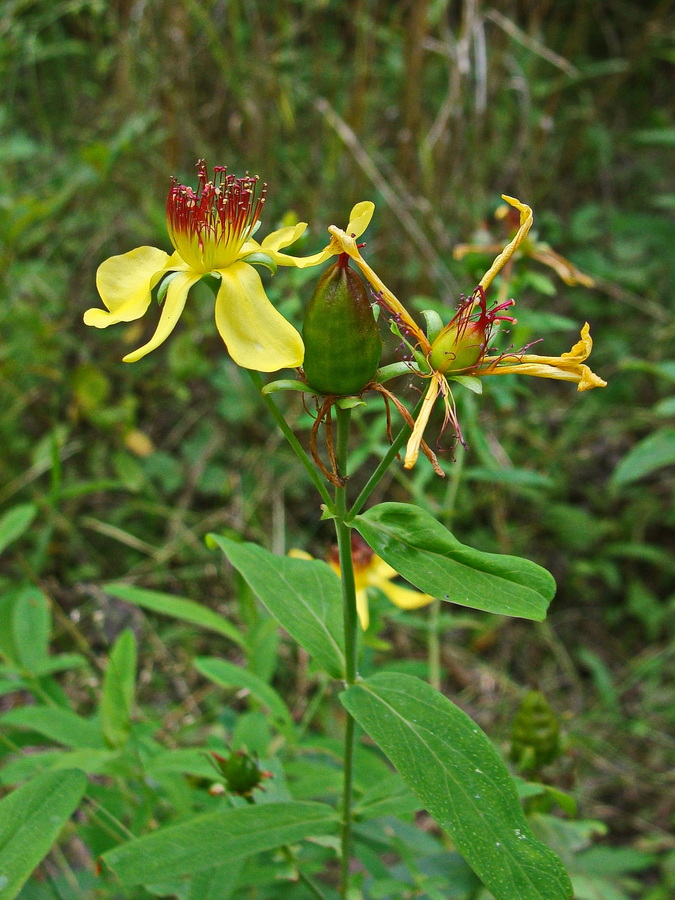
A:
{"x":342,"y":341}
{"x":458,"y":347}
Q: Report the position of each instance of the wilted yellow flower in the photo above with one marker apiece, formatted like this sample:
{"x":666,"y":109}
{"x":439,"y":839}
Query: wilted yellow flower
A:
{"x":461,"y":348}
{"x":211,"y":230}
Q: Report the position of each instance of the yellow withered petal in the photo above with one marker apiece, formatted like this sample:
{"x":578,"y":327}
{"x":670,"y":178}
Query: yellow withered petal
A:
{"x":341,"y":242}
{"x":256,"y":335}
{"x":173,"y":306}
{"x":412,"y":450}
{"x":526,"y":219}
{"x":124,"y":283}
{"x":567,"y":367}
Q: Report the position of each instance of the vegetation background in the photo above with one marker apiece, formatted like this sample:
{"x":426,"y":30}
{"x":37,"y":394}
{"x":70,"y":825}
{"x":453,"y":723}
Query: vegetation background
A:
{"x":432,"y":109}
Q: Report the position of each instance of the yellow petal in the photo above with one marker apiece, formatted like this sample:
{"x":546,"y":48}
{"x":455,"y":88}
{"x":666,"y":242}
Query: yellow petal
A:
{"x":124,"y":283}
{"x":379,"y":571}
{"x":295,"y":553}
{"x":362,"y":608}
{"x":256,"y":335}
{"x":405,"y":598}
{"x":359,"y":218}
{"x":173,"y":306}
{"x":273,"y":243}
{"x":284,"y":237}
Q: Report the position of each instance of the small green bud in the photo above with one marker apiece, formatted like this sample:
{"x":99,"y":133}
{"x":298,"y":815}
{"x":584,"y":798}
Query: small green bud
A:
{"x":242,"y":773}
{"x":535,"y":735}
{"x":342,"y":340}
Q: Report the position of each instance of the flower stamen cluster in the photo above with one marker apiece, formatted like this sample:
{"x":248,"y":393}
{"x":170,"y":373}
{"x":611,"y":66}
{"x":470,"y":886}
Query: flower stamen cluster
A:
{"x":209,"y":225}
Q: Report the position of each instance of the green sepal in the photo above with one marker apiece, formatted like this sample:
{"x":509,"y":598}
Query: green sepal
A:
{"x":421,"y":361}
{"x":468,"y":381}
{"x":349,"y":402}
{"x":261,"y":259}
{"x":394,"y":370}
{"x":434,"y":324}
{"x":164,"y":286}
{"x":327,"y":513}
{"x":289,"y":384}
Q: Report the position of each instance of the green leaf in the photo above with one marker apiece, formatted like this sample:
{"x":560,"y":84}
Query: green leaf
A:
{"x":15,"y":522}
{"x":218,"y":883}
{"x":30,"y":821}
{"x":217,"y":838}
{"x":304,"y":596}
{"x":651,"y":453}
{"x":59,"y":725}
{"x":228,"y":675}
{"x":451,"y":765}
{"x":177,"y":608}
{"x":431,"y":558}
{"x":31,"y":624}
{"x":118,"y":690}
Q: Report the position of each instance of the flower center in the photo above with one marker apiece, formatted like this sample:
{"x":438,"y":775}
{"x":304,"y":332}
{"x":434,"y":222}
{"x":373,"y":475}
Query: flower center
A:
{"x":208,"y":226}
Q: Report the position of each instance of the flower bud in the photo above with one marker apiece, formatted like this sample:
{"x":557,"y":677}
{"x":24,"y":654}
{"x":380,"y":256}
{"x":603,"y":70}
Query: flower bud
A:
{"x":535,"y":735}
{"x":342,"y":339}
{"x":241,"y":772}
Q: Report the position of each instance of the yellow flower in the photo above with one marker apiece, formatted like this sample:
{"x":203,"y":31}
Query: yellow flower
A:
{"x":211,"y":230}
{"x":461,"y":347}
{"x":370,"y":570}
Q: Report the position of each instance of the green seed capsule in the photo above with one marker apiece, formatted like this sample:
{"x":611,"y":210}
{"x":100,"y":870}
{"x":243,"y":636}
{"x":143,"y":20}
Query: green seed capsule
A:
{"x":458,"y":348}
{"x":342,"y":341}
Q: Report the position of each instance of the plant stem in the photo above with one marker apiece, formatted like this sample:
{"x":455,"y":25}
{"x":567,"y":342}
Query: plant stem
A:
{"x":385,"y":462}
{"x":434,"y":636}
{"x":291,"y":438}
{"x":351,"y":635}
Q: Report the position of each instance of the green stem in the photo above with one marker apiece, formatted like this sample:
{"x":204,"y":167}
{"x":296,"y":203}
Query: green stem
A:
{"x":434,"y":636}
{"x":291,"y":438}
{"x":385,"y":462}
{"x":351,"y":636}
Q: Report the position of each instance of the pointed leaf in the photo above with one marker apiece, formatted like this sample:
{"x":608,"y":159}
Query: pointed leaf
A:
{"x":31,"y":624}
{"x":460,"y":778}
{"x":650,"y":454}
{"x":59,"y":725}
{"x":304,"y":596}
{"x":15,"y":522}
{"x":118,"y":690}
{"x":228,"y":675}
{"x":177,"y":608}
{"x":217,"y":838}
{"x":30,"y":821}
{"x":430,"y":557}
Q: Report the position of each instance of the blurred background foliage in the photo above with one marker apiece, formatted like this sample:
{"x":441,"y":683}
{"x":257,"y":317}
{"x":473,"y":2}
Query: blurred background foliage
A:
{"x":432,"y":109}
